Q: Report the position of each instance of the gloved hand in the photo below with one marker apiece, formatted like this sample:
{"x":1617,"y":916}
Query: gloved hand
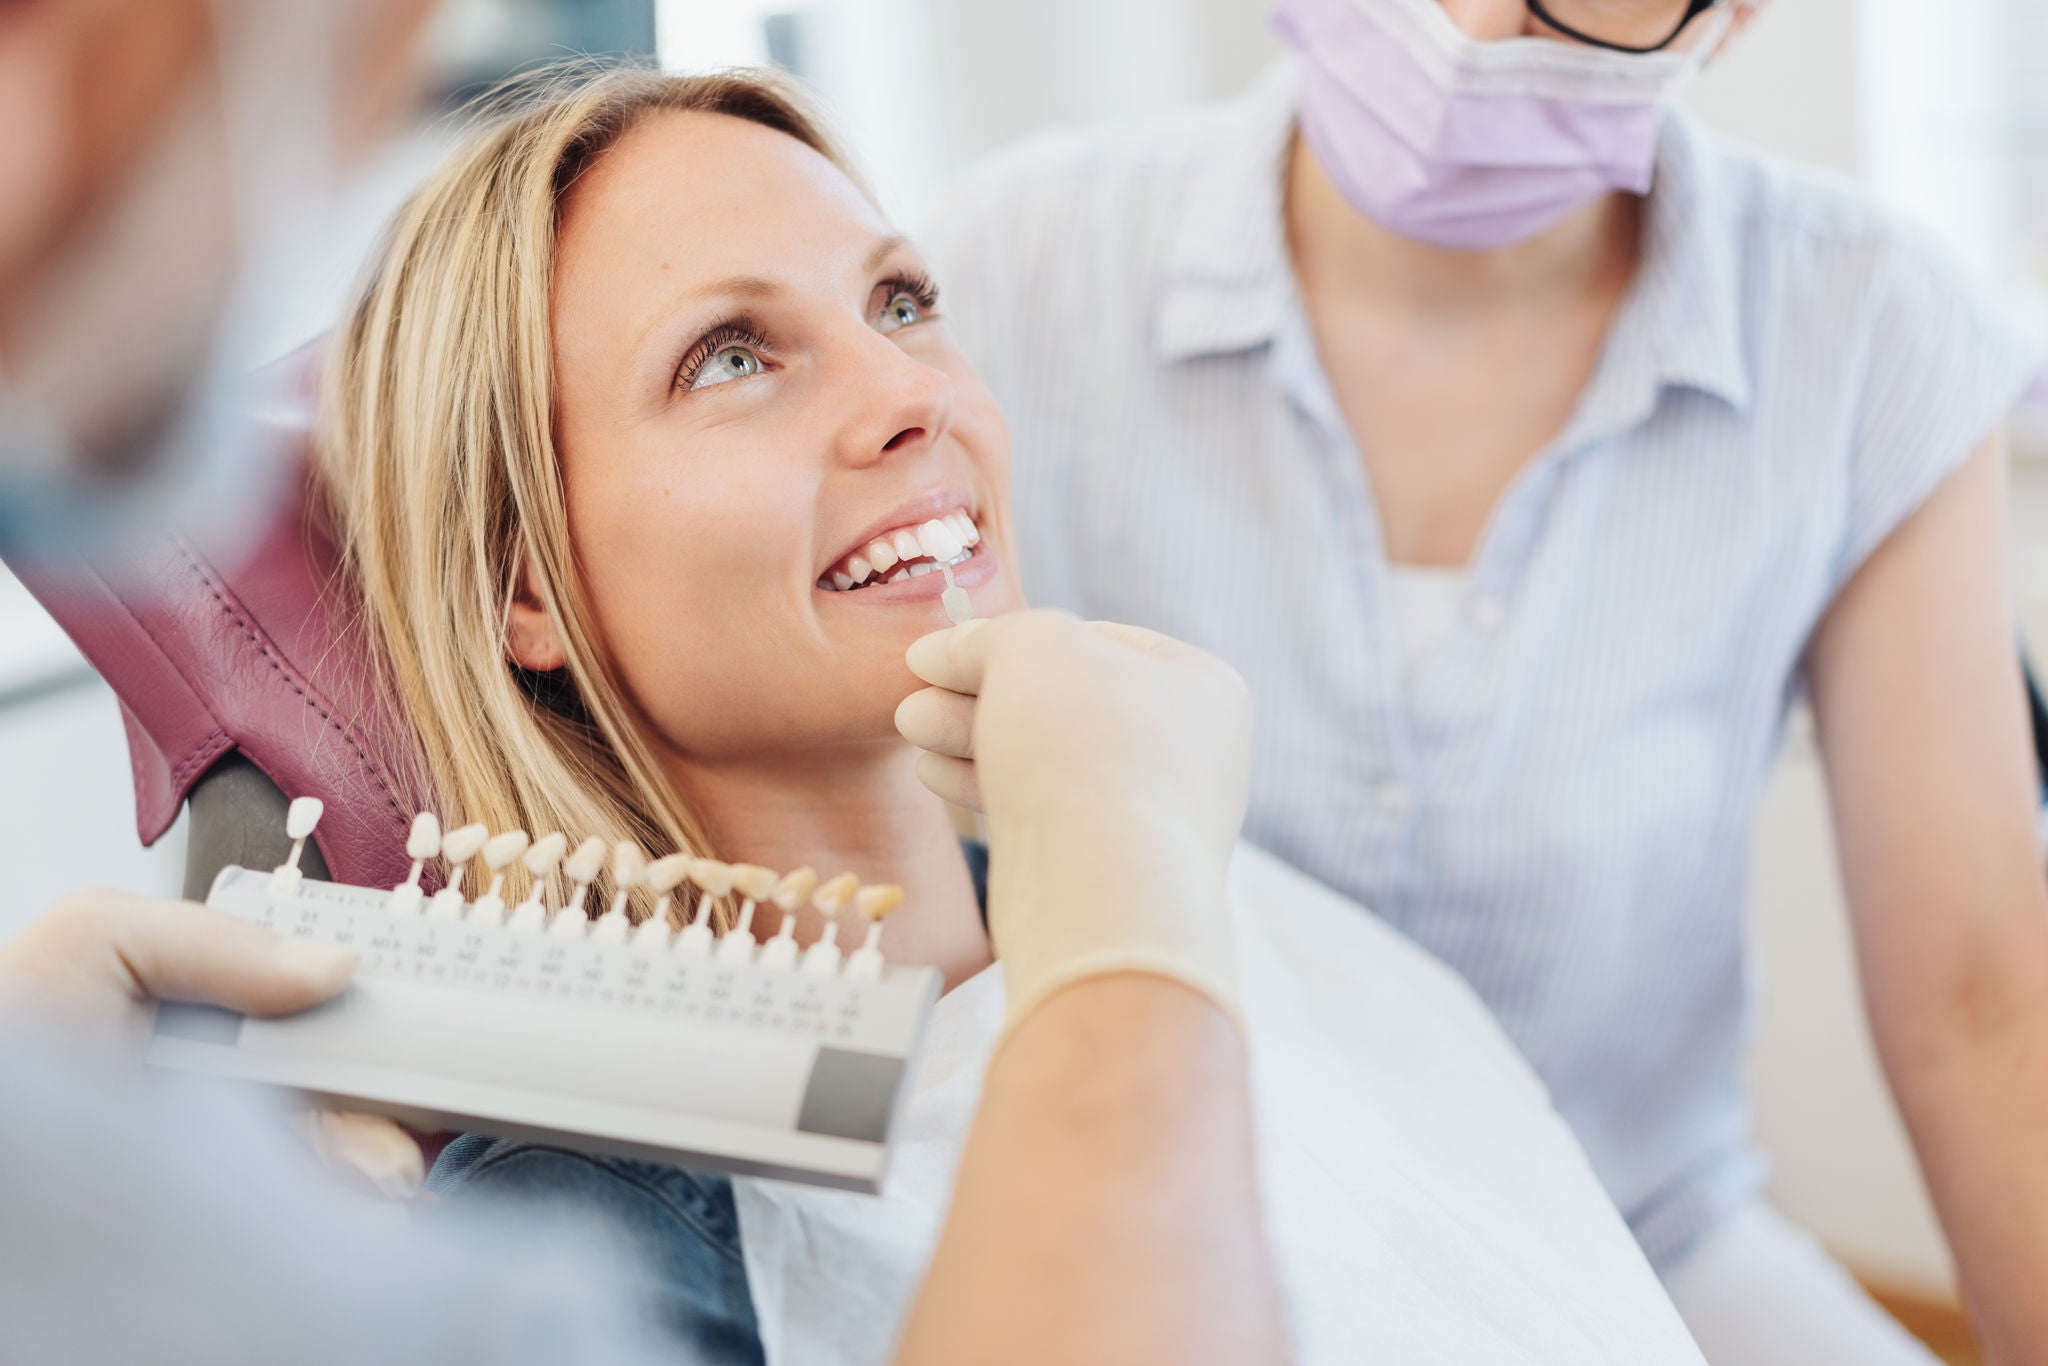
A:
{"x":91,"y":965}
{"x":1113,"y":765}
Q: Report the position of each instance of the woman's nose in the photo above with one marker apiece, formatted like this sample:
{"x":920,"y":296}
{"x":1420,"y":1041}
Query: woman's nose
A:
{"x":1489,"y":19}
{"x":906,"y":404}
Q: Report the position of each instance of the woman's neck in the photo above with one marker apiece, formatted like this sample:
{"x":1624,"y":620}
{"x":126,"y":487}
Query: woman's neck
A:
{"x":1339,"y":252}
{"x":861,"y":810}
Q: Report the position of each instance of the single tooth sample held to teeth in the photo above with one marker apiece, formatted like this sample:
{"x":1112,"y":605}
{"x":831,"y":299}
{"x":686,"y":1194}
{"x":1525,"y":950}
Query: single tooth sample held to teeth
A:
{"x":942,"y":541}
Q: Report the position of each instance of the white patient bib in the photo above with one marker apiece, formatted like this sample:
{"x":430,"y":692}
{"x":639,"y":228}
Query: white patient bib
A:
{"x":1424,"y":1203}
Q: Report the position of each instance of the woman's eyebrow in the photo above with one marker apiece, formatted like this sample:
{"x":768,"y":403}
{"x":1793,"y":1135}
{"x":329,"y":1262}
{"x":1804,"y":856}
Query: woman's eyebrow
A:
{"x":883,"y":250}
{"x":664,"y":318}
{"x":746,"y":286}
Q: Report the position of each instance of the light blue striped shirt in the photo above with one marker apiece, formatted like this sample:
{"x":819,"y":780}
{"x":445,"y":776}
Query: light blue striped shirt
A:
{"x":1559,"y":803}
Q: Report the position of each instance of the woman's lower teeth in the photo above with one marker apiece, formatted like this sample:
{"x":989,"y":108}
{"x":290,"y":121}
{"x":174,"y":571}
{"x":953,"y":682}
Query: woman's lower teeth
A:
{"x":909,"y":571}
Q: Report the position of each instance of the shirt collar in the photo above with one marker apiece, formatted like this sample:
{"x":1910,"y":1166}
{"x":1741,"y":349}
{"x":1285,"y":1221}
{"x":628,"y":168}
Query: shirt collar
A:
{"x":1228,"y":280}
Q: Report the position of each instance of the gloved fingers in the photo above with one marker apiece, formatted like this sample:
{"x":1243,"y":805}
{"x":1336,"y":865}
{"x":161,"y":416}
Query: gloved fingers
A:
{"x":956,"y":658}
{"x":952,"y":779}
{"x":947,"y":659}
{"x":177,"y":951}
{"x":1145,"y":642}
{"x":368,"y":1151}
{"x":938,"y":721}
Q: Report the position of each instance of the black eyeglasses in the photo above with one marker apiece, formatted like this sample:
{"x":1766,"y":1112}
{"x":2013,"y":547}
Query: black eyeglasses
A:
{"x":1621,"y":25}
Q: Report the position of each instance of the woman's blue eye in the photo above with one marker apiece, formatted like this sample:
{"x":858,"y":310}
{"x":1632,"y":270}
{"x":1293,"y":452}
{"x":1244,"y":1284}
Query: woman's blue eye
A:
{"x":727,"y":363}
{"x":902,"y":310}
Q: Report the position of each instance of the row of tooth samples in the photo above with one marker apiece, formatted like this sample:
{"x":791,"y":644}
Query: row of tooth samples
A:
{"x":631,"y":870}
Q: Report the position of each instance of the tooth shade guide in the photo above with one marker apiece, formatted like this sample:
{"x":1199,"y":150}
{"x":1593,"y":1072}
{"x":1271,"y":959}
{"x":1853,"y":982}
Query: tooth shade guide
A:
{"x":795,"y":889}
{"x":737,"y":944}
{"x":958,"y":609}
{"x":779,"y":953}
{"x":427,"y":1041}
{"x":836,"y":894}
{"x":822,"y":958}
{"x":939,"y":540}
{"x":499,"y":852}
{"x":587,"y":862}
{"x":664,"y":876}
{"x":754,"y":882}
{"x":544,"y":854}
{"x":422,"y":842}
{"x":300,"y":819}
{"x":629,"y":870}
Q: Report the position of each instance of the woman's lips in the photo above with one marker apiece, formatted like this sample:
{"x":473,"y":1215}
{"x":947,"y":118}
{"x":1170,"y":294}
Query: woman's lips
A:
{"x":971,"y":573}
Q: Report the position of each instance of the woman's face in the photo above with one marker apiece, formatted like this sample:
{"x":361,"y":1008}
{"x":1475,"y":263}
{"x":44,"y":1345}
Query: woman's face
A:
{"x":755,"y":406}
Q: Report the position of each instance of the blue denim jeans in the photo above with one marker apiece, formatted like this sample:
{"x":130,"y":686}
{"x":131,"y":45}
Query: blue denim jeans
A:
{"x":680,"y":1227}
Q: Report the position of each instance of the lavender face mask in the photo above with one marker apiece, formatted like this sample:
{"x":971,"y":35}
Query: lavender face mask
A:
{"x":1460,"y":143}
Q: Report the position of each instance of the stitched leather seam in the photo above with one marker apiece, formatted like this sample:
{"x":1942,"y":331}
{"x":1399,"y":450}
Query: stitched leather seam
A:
{"x":134,"y":761}
{"x":289,"y":676}
{"x":200,"y":757}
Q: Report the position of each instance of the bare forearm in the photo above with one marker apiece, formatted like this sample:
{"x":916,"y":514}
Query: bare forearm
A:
{"x":1106,"y":1208}
{"x":1976,"y":1103}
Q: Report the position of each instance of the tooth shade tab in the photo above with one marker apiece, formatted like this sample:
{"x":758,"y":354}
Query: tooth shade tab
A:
{"x":302,"y":815}
{"x":940,"y":541}
{"x":754,"y":882}
{"x":882,"y":556}
{"x":424,"y":842}
{"x":629,"y":865}
{"x":545,"y":853}
{"x":462,"y":845}
{"x":711,"y":876}
{"x":587,"y":862}
{"x":837,"y":894}
{"x":875,"y":902}
{"x":500,"y":850}
{"x":795,"y":889}
{"x":664,"y":875}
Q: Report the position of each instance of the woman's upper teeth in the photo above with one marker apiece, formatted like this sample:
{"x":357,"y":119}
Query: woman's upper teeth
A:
{"x":906,"y":552}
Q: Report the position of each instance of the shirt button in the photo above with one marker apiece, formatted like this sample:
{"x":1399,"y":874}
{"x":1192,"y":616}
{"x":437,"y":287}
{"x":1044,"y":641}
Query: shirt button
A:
{"x":1393,"y":799}
{"x":1488,"y":612}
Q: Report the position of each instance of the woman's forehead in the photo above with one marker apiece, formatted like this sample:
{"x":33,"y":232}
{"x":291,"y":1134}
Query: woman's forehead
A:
{"x":712,"y":195}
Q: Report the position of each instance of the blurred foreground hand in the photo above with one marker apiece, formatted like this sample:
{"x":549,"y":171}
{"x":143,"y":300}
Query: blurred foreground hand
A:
{"x":90,"y":969}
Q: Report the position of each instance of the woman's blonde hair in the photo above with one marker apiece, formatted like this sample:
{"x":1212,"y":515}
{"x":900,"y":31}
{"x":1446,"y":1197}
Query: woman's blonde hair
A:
{"x":437,"y":448}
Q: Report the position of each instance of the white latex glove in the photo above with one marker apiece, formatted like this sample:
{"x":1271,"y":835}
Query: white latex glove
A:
{"x":1113,"y":765}
{"x":92,"y":965}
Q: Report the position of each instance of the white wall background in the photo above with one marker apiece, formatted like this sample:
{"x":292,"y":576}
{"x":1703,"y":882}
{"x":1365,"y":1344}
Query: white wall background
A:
{"x":1941,"y":106}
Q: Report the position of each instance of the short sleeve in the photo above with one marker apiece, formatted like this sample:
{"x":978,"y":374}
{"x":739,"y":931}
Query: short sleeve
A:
{"x":1947,"y":364}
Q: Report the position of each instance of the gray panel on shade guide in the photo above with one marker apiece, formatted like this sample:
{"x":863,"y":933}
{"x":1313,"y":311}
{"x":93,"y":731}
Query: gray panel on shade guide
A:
{"x":201,"y":1024}
{"x":850,"y":1094}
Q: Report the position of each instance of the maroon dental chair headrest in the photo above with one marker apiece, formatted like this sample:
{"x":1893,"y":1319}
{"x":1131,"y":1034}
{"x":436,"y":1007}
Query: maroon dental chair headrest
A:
{"x":255,"y":669}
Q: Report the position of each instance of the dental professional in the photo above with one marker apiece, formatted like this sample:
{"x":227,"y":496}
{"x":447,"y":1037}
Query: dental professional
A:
{"x":1531,"y":450}
{"x":1113,"y":1140}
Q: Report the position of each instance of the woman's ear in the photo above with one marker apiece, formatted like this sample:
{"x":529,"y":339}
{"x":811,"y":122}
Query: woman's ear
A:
{"x":532,"y":639}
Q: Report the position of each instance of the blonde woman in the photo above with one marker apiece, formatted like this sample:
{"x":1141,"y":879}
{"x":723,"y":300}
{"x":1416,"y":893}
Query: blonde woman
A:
{"x":623,"y":433}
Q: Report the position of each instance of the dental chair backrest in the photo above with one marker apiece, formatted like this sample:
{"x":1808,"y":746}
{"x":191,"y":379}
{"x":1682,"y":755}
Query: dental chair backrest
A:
{"x":242,"y":687}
